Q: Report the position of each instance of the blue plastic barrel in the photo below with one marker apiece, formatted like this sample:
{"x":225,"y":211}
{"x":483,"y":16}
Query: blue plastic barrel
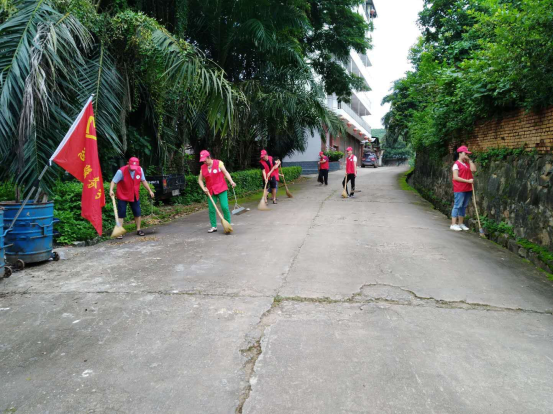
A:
{"x":32,"y":236}
{"x":2,"y":262}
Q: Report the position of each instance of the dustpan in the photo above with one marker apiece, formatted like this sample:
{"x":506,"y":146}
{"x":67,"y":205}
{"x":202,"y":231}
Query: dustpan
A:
{"x":237,"y":210}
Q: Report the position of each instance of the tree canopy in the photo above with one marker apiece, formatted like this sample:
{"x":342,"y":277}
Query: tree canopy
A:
{"x":475,"y":59}
{"x":228,"y":75}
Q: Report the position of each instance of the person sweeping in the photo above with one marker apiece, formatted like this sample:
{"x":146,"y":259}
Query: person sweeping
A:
{"x":323,"y":168}
{"x":128,"y":180}
{"x":351,"y":171}
{"x":214,"y":172}
{"x":270,"y":178}
{"x":462,"y":187}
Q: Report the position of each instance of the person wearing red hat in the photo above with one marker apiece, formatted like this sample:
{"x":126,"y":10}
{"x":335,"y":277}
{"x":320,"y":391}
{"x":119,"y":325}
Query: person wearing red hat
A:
{"x":267,"y":165}
{"x":351,"y":170}
{"x":323,"y":168}
{"x":462,"y":187}
{"x":214,"y":172}
{"x":128,"y":180}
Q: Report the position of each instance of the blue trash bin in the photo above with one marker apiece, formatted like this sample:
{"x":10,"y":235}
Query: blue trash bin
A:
{"x":31,"y":238}
{"x":4,"y":271}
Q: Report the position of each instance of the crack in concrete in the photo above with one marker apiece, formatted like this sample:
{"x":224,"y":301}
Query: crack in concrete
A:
{"x":412,"y":300}
{"x":153,"y":292}
{"x":298,"y":250}
{"x":253,"y":349}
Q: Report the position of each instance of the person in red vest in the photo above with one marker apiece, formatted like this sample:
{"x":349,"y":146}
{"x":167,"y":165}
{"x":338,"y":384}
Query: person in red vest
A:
{"x":128,"y":180}
{"x":267,"y":165}
{"x":323,"y":168}
{"x":462,"y":188}
{"x":214,"y":172}
{"x":351,"y":170}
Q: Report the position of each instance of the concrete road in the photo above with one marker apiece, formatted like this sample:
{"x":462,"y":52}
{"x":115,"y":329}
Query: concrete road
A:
{"x":321,"y":305}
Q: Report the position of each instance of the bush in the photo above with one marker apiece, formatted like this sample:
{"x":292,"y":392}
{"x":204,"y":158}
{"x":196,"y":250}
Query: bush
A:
{"x":334,"y":155}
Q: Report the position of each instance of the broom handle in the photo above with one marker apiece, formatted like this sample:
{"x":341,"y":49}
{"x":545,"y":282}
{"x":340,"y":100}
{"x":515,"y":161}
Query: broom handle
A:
{"x":216,"y":209}
{"x":475,"y":206}
{"x":115,"y":212}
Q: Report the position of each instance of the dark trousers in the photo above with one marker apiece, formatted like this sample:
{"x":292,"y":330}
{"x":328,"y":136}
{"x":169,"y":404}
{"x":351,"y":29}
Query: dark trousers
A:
{"x":323,"y":177}
{"x":351,"y":177}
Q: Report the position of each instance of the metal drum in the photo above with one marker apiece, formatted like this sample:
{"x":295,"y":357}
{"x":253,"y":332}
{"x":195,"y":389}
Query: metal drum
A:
{"x":31,"y":238}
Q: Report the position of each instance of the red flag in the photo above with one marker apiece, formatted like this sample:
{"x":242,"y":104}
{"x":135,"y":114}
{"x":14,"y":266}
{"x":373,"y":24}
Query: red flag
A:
{"x":78,"y":155}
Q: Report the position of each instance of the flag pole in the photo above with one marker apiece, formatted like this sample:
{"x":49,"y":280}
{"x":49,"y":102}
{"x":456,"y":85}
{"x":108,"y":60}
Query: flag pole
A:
{"x":36,"y":183}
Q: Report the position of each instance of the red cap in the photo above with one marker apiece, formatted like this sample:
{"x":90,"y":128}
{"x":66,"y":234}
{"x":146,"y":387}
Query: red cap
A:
{"x":464,"y":149}
{"x":263,"y":153}
{"x":321,"y":153}
{"x":203,"y":155}
{"x":134,"y":163}
{"x":349,"y":149}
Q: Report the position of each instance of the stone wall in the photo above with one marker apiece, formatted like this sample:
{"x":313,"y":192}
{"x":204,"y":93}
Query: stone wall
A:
{"x":516,"y":190}
{"x":513,"y":130}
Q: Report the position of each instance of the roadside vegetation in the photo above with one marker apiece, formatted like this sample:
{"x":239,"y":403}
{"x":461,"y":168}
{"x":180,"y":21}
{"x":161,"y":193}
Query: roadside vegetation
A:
{"x":475,"y":59}
{"x":170,"y":76}
{"x":67,"y":203}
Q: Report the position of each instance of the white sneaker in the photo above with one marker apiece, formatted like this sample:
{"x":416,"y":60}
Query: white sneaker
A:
{"x":463,"y":227}
{"x":455,"y":227}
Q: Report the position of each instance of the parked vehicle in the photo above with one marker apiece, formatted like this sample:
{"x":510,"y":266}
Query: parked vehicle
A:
{"x":369,"y":160}
{"x":167,"y":186}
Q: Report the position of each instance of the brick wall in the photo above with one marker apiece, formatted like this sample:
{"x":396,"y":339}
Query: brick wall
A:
{"x":513,"y":130}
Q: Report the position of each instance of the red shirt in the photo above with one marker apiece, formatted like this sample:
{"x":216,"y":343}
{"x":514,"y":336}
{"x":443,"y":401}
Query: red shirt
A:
{"x":214,"y":180}
{"x":268,"y":165}
{"x":128,"y":189}
{"x":351,"y":162}
{"x":324,"y":162}
{"x":466,"y":173}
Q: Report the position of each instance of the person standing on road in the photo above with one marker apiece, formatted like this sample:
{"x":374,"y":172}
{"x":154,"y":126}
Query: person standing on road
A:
{"x":351,"y":170}
{"x":128,"y":180}
{"x":323,"y":168}
{"x":462,"y":188}
{"x":267,"y":165}
{"x":214,"y":173}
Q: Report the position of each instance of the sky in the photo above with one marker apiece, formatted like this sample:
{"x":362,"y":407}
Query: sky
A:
{"x":394,"y":33}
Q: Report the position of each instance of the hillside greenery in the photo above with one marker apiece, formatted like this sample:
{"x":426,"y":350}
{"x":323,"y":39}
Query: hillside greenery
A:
{"x":475,"y":59}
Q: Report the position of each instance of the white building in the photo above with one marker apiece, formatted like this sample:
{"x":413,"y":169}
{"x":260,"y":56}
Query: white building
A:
{"x":353,"y":114}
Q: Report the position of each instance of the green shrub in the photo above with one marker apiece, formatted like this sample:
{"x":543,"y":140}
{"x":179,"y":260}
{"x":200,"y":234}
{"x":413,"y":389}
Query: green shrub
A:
{"x":7,"y":191}
{"x":334,"y":155}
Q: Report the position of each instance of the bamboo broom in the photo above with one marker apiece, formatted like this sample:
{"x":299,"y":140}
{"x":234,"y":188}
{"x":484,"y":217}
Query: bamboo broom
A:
{"x":344,"y":192}
{"x":226,"y":225}
{"x":480,"y":229}
{"x":288,"y":193}
{"x":262,"y":204}
{"x":118,"y":230}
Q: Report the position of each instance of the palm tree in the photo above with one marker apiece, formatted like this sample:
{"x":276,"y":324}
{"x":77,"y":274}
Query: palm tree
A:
{"x":50,"y":63}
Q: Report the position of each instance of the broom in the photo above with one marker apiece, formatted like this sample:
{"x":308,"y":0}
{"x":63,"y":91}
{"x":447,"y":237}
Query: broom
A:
{"x":480,"y":229}
{"x":288,"y":193}
{"x":226,"y":225}
{"x":118,"y":230}
{"x":262,"y":205}
{"x":344,"y":192}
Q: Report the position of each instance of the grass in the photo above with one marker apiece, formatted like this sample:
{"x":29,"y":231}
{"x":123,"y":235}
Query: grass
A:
{"x":402,"y":181}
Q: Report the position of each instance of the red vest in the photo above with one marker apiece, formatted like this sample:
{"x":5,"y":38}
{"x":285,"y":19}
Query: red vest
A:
{"x":350,"y":165}
{"x":324,"y":163}
{"x":214,"y":180}
{"x":466,"y":173}
{"x":128,"y":189}
{"x":268,"y":167}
